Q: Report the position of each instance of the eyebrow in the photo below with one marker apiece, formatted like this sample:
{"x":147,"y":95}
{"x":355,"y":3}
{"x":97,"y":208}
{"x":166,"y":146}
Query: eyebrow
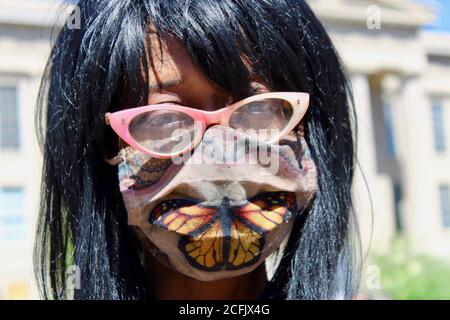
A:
{"x":165,"y":84}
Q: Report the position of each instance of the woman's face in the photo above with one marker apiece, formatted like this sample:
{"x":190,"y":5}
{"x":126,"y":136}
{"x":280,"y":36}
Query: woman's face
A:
{"x":212,"y":220}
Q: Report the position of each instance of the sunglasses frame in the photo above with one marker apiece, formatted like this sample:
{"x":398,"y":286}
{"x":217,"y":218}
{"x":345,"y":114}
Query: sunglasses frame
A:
{"x":120,"y":120}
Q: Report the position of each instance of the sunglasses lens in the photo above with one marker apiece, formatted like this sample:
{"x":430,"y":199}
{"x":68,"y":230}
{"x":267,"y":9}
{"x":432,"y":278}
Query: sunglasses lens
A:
{"x":271,"y":114}
{"x":163,"y":131}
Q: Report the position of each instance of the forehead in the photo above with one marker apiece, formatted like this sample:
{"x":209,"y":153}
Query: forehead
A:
{"x":164,"y":62}
{"x":171,"y":65}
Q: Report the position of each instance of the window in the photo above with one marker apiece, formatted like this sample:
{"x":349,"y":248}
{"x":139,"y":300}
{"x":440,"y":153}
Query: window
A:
{"x":388,"y":119}
{"x":444,"y":195}
{"x":9,"y":119}
{"x":437,"y":112}
{"x":12,"y":213}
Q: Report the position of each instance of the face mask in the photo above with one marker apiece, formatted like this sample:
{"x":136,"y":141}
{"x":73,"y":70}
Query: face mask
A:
{"x":222,"y":210}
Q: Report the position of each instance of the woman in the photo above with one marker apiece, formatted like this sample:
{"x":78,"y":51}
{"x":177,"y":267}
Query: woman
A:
{"x":194,"y":60}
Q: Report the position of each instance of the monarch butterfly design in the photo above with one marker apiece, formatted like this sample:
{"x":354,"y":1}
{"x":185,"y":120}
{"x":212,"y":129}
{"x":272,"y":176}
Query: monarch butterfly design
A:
{"x":225,"y":236}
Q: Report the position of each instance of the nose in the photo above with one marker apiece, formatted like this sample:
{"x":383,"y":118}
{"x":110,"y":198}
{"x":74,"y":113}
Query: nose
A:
{"x":222,"y":145}
{"x":213,"y":117}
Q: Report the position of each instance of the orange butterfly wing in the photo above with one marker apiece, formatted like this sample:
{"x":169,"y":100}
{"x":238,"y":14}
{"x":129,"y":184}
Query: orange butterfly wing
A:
{"x":244,"y":247}
{"x":260,"y":215}
{"x":267,"y":211}
{"x":205,"y":250}
{"x":211,"y":242}
{"x":183,"y":216}
{"x":202,"y":240}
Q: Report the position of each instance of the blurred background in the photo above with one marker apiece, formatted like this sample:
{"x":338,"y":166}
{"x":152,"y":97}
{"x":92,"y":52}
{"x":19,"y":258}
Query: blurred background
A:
{"x":397,"y":54}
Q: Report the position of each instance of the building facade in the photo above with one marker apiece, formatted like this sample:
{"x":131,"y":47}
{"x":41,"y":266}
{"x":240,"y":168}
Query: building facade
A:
{"x":401,"y":85}
{"x":400,"y":77}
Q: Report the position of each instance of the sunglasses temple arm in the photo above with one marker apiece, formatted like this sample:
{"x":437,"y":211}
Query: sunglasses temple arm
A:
{"x":107,"y":120}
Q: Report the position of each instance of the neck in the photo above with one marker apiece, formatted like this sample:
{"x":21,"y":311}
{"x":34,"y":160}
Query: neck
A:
{"x":167,"y":284}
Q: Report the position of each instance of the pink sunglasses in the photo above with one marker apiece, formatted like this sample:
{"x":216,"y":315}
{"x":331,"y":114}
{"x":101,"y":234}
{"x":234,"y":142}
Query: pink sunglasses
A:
{"x":166,"y":130}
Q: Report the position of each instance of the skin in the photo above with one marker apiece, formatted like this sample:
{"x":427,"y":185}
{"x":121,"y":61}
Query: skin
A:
{"x":175,"y":78}
{"x":168,"y":284}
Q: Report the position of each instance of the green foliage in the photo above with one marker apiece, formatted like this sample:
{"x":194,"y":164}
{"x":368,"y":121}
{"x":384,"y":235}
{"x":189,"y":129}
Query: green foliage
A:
{"x":408,"y":276}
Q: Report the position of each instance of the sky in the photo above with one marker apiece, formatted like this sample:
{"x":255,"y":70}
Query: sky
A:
{"x":443,"y":21}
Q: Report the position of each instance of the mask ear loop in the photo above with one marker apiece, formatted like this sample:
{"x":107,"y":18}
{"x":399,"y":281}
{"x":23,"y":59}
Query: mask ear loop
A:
{"x":115,"y":160}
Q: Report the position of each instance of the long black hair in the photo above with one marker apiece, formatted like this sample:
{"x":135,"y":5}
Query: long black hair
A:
{"x":82,"y":220}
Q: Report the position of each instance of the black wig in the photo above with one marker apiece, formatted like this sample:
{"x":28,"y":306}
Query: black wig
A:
{"x":83,"y":221}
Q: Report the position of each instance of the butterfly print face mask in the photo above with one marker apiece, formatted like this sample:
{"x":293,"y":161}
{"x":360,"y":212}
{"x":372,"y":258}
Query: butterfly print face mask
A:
{"x":220,"y":211}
